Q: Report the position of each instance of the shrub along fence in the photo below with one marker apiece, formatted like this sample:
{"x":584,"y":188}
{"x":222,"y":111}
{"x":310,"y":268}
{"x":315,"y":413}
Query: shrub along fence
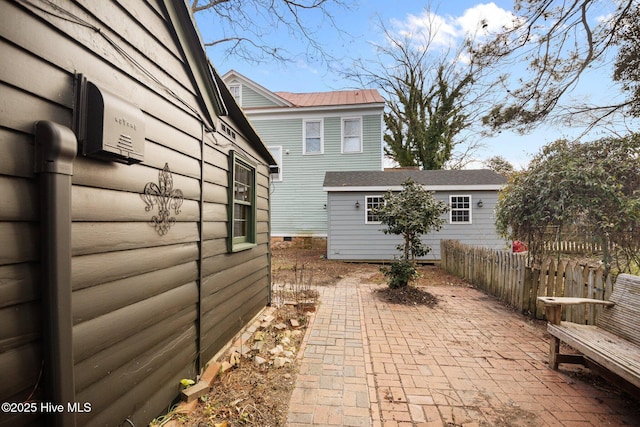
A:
{"x":506,"y":275}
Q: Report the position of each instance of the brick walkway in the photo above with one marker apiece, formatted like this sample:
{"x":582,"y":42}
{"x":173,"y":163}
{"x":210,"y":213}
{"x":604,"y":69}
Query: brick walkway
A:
{"x":467,"y":362}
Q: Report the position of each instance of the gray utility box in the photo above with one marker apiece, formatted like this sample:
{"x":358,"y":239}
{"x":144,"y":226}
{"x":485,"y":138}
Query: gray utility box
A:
{"x":113,"y":128}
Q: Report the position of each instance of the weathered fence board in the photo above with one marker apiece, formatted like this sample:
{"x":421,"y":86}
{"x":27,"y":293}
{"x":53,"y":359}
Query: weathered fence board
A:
{"x":505,"y":275}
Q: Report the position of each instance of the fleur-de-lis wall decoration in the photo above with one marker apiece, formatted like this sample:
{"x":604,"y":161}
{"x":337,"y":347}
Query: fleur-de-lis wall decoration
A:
{"x":163,"y":195}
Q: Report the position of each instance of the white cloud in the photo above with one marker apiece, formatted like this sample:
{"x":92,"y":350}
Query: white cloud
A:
{"x":446,"y":31}
{"x":485,"y":18}
{"x":427,"y":26}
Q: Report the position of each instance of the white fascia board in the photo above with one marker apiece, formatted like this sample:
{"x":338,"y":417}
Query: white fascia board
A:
{"x":367,"y":189}
{"x":325,"y":111}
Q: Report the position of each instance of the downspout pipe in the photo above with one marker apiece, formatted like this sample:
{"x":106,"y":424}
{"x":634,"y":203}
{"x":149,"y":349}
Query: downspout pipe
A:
{"x":55,"y":150}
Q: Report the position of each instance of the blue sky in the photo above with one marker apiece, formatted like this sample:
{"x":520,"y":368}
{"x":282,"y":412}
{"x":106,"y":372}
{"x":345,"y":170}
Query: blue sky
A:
{"x":362,"y":24}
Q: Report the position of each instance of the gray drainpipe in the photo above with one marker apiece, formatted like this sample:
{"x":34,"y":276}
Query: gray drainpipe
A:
{"x":55,"y":150}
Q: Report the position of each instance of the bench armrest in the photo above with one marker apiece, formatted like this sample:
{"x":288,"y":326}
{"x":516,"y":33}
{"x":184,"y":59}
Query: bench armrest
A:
{"x":553,"y":306}
{"x":572,"y":301}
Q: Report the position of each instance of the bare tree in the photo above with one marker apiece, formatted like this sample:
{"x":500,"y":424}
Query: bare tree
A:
{"x":244,"y":29}
{"x":434,"y":97}
{"x":559,"y":42}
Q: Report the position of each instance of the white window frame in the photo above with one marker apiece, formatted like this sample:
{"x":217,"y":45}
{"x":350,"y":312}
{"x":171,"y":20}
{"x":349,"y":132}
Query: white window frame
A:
{"x":304,"y":137}
{"x":343,"y":136}
{"x":238,"y":97}
{"x":367,"y":209}
{"x":452,"y":208}
{"x":276,"y":177}
{"x":241,"y":194}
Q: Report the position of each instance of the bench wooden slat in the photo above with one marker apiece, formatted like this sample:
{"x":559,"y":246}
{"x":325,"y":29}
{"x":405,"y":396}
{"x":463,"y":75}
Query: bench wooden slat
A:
{"x":613,"y":343}
{"x":608,"y":350}
{"x":572,"y":301}
{"x":624,"y":321}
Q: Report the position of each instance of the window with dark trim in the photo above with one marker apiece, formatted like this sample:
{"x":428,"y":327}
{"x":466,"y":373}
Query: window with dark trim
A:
{"x":460,"y":212}
{"x":242,"y":204}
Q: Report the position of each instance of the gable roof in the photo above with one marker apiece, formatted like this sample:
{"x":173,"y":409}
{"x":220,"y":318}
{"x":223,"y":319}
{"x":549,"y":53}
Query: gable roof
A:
{"x":239,"y":118}
{"x":272,"y":96}
{"x":436,"y":180}
{"x":214,"y":94}
{"x":310,"y":99}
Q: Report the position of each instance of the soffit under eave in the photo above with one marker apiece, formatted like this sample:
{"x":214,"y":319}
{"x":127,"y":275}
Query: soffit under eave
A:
{"x":190,"y":43}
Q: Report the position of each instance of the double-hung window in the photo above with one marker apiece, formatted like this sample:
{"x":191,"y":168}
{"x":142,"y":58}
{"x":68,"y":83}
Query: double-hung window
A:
{"x":460,"y":212}
{"x":352,"y":135}
{"x":236,"y":92}
{"x":373,"y":203}
{"x":242,"y":204}
{"x":312,"y":136}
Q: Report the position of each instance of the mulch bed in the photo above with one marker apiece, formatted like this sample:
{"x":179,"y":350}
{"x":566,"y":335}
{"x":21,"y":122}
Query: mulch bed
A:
{"x":408,"y":295}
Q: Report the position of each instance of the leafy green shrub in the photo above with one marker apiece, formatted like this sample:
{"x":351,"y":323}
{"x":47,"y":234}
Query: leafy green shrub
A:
{"x":400,"y":273}
{"x":409,"y":213}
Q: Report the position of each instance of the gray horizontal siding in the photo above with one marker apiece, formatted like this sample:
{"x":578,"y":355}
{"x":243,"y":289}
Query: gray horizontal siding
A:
{"x":350,"y":238}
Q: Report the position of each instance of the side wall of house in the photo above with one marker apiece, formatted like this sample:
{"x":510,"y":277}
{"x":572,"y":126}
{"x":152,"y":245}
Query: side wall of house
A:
{"x":148,"y":309}
{"x":298,"y":203}
{"x":350,"y":238}
{"x":252,"y":98}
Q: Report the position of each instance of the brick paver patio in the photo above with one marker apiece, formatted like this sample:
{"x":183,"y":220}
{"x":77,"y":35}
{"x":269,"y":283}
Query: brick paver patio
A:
{"x":467,"y":362}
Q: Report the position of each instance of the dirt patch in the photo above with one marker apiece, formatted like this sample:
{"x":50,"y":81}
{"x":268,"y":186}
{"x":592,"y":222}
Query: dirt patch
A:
{"x":310,"y":266}
{"x":257,"y":389}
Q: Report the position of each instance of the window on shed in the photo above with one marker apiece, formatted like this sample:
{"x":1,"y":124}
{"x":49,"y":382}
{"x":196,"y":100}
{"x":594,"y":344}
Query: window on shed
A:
{"x":372,"y":203}
{"x":312,"y":137}
{"x":460,"y":212}
{"x":242,"y":206}
{"x":352,"y":135}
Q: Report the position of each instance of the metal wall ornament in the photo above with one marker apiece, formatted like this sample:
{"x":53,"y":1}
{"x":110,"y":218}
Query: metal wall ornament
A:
{"x":167,"y":199}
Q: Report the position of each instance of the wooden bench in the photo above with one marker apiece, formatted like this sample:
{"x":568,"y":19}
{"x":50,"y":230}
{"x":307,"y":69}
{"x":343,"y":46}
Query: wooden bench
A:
{"x":612,"y":345}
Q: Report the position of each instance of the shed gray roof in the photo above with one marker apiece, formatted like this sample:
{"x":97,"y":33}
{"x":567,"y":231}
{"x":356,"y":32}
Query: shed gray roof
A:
{"x":470,"y":179}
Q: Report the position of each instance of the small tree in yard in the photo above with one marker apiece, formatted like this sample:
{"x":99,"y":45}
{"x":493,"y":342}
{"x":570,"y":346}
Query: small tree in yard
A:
{"x":410,"y":213}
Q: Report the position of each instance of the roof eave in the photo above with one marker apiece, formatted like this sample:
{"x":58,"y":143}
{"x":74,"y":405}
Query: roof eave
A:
{"x":315,"y":108}
{"x":378,"y":188}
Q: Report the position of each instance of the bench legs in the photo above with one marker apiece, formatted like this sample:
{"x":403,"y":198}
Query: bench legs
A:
{"x":555,"y":357}
{"x":554,"y":352}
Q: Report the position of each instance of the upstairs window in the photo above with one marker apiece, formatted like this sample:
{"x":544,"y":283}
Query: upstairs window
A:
{"x":312,"y":137}
{"x":373,"y":203}
{"x":242,"y":204}
{"x":460,"y":212}
{"x":236,"y":92}
{"x":352,"y":135}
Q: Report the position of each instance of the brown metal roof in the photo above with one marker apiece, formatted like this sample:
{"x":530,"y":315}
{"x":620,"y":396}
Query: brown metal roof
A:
{"x":340,"y":97}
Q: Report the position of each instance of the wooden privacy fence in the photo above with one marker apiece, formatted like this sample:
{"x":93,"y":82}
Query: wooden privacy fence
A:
{"x":574,"y":247}
{"x":505,"y":275}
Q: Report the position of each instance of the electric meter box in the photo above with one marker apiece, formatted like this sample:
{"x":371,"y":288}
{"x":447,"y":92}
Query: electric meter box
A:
{"x":113,"y":128}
